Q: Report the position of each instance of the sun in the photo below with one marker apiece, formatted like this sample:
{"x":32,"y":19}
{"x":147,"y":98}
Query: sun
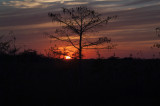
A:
{"x":67,"y":57}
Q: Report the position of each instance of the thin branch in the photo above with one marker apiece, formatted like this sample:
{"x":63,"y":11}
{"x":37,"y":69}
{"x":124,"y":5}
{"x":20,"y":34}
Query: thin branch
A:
{"x":101,"y":21}
{"x":55,"y":18}
{"x":57,"y":38}
{"x":54,"y":37}
{"x":71,"y":42}
{"x":98,"y":42}
{"x":79,"y":21}
{"x":108,"y":47}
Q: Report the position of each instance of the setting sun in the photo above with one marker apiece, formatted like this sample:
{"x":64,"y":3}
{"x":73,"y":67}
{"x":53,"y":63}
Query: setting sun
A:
{"x":67,"y":57}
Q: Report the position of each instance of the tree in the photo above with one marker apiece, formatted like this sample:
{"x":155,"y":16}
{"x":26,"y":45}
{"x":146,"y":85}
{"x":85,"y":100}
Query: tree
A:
{"x":7,"y":46}
{"x":157,"y":45}
{"x":158,"y":31}
{"x":4,"y":46}
{"x":79,"y":21}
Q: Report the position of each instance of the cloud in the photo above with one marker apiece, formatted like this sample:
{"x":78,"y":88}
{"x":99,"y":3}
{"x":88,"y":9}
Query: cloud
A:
{"x":134,"y":26}
{"x":32,"y":26}
{"x":137,"y":2}
{"x":76,"y":3}
{"x":33,"y":3}
{"x":22,"y":4}
{"x":112,"y":4}
{"x":47,"y":3}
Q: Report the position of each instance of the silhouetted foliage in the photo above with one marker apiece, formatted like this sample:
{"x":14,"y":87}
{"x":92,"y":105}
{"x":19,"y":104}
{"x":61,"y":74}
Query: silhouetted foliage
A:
{"x":157,"y":45}
{"x":7,"y":46}
{"x":4,"y":46}
{"x":98,"y":54}
{"x":29,"y":52}
{"x":55,"y":52}
{"x":77,"y":22}
{"x":158,"y":31}
{"x":75,"y":55}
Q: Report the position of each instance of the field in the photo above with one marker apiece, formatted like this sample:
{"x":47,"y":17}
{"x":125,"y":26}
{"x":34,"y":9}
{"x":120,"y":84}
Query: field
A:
{"x":40,"y":81}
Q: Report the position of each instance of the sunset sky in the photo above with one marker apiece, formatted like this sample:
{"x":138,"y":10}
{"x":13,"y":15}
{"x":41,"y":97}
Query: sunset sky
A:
{"x":133,"y":31}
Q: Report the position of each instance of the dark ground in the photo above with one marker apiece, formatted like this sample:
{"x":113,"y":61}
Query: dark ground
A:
{"x":35,"y":81}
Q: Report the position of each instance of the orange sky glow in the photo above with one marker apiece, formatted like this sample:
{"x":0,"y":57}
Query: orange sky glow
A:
{"x":133,"y":31}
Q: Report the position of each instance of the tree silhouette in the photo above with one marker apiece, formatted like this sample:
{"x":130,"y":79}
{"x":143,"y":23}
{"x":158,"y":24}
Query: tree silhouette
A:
{"x":158,"y":31}
{"x":4,"y":46}
{"x":79,"y":21}
{"x":55,"y":52}
{"x":157,"y":45}
{"x":7,"y":46}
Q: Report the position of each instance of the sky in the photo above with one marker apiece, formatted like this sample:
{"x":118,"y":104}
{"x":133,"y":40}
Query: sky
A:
{"x":133,"y":31}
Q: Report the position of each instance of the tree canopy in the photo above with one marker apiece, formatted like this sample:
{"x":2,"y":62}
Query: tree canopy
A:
{"x":77,"y":22}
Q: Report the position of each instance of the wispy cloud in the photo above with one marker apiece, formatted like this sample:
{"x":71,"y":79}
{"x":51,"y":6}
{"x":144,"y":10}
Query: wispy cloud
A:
{"x":47,"y":3}
{"x":139,"y":2}
{"x":76,"y":3}
{"x":132,"y":30}
{"x":22,"y":4}
{"x":32,"y":3}
{"x":99,"y":3}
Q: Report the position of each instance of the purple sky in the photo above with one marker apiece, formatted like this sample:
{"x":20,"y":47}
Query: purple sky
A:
{"x":133,"y":30}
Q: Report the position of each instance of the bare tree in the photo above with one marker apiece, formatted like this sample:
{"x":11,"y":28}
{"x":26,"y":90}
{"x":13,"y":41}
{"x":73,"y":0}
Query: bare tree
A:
{"x":77,"y":22}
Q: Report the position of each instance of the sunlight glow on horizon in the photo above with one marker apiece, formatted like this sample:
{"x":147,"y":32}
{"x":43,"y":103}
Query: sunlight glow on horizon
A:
{"x":67,"y":57}
{"x":132,"y":31}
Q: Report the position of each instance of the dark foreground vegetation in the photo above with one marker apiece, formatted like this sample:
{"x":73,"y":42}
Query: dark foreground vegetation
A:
{"x":40,"y":81}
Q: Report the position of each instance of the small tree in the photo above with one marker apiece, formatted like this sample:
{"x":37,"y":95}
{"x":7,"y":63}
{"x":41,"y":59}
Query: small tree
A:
{"x":7,"y":46}
{"x":79,"y":21}
{"x":157,"y":45}
{"x":158,"y":31}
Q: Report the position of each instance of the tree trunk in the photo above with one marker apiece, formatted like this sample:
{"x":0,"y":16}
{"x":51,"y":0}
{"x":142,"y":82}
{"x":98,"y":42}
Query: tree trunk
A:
{"x":80,"y":47}
{"x":79,"y":72}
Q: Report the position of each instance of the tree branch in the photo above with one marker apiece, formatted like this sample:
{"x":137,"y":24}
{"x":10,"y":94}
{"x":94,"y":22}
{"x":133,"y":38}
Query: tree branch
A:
{"x":98,"y":42}
{"x":71,"y":42}
{"x":112,"y":46}
{"x":98,"y":22}
{"x":57,"y":17}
